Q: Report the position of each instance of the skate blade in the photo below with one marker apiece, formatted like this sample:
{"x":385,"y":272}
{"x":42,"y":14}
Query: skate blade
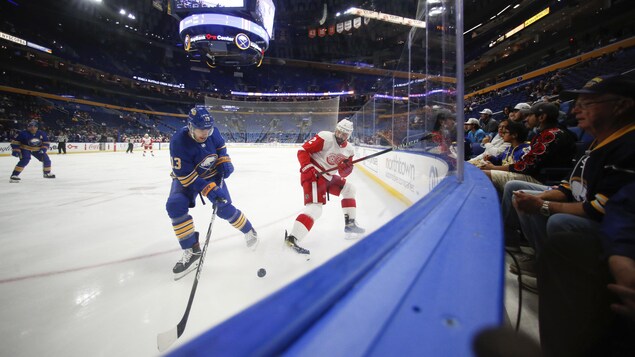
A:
{"x":182,"y":274}
{"x":254,"y":246}
{"x":299,"y":251}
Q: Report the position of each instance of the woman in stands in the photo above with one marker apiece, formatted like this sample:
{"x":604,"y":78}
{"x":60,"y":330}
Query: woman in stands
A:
{"x":495,"y":167}
{"x":494,"y":147}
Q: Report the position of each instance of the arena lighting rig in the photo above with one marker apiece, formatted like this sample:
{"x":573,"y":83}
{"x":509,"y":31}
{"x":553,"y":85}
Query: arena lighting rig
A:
{"x":295,"y":94}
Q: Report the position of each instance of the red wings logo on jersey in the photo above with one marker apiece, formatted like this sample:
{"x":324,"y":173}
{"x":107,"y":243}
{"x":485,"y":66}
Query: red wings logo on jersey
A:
{"x":335,"y":158}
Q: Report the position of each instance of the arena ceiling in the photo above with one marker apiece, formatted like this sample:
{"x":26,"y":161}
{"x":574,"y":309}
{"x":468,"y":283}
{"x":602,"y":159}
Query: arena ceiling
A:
{"x":491,"y":16}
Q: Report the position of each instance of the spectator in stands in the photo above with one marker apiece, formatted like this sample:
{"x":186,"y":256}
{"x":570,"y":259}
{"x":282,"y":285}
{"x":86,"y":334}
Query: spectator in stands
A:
{"x":487,"y":123}
{"x":519,"y":109}
{"x":552,"y":147}
{"x":474,"y":133}
{"x":506,"y":111}
{"x":571,"y":278}
{"x":443,"y":133}
{"x":493,"y":148}
{"x":497,"y":167}
{"x":440,"y":134}
{"x":606,"y":108}
{"x":618,"y":229}
{"x":578,"y":315}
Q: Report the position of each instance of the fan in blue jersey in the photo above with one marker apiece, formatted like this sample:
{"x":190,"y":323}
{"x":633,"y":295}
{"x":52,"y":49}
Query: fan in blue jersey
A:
{"x":199,"y":161}
{"x":30,"y":142}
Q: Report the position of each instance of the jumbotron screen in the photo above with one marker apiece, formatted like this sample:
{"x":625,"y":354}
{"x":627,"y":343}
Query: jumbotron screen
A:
{"x":193,"y":5}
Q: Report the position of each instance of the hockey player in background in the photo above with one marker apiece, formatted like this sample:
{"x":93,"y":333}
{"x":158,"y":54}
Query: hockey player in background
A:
{"x":325,"y":151}
{"x":146,"y":141}
{"x":200,"y":164}
{"x":31,"y":142}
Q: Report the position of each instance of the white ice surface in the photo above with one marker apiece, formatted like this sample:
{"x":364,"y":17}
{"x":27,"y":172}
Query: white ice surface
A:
{"x":86,"y":259}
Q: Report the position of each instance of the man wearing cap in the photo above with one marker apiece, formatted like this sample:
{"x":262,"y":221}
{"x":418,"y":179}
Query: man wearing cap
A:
{"x":574,"y":317}
{"x":474,"y":133}
{"x":487,"y":123}
{"x":31,"y":142}
{"x":552,"y":147}
{"x":519,"y":109}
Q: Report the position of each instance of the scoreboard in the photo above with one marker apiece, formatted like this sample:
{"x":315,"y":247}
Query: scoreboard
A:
{"x":225,"y":32}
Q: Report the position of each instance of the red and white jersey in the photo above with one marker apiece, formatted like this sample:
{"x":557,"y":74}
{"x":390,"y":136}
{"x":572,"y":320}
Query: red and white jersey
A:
{"x":146,"y":142}
{"x":324,"y":152}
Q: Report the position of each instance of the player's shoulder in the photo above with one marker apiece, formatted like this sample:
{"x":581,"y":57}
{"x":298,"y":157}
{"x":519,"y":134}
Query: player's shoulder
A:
{"x":180,"y":134}
{"x":325,"y":134}
{"x":180,"y":138}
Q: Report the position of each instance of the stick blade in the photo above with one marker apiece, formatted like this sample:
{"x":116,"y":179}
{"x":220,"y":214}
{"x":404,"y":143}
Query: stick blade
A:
{"x":166,"y":339}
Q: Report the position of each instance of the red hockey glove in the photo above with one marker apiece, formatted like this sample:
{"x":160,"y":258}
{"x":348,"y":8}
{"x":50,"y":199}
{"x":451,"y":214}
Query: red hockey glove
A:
{"x":345,"y":167}
{"x":308,"y":173}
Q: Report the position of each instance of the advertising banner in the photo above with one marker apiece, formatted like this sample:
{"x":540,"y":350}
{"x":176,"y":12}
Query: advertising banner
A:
{"x":411,"y":174}
{"x":5,"y":148}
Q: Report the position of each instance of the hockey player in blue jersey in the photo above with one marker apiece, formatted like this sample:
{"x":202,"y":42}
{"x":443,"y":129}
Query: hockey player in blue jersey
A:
{"x":199,"y":161}
{"x":30,"y":142}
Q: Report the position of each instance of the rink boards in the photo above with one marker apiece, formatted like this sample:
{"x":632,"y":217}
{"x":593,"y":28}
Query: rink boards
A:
{"x":75,"y":148}
{"x":425,"y":283}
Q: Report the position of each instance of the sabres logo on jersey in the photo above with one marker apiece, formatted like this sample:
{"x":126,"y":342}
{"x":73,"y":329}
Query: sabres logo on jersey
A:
{"x":208,"y":162}
{"x":35,"y":141}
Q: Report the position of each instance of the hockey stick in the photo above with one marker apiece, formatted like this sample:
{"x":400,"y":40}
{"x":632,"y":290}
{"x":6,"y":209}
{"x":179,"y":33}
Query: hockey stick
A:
{"x":167,"y":338}
{"x":402,"y":146}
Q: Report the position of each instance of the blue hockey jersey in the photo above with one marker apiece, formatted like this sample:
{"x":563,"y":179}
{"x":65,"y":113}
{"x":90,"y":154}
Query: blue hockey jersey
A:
{"x":194,"y":164}
{"x":32,"y":142}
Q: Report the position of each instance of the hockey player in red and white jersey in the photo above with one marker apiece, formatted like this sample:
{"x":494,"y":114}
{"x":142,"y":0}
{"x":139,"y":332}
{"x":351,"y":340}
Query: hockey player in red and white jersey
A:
{"x":324,"y":151}
{"x":146,"y":141}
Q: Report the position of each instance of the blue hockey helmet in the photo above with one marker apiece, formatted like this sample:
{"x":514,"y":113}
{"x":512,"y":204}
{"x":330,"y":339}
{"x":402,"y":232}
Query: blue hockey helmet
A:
{"x":200,"y":123}
{"x":33,"y":123}
{"x":199,"y":118}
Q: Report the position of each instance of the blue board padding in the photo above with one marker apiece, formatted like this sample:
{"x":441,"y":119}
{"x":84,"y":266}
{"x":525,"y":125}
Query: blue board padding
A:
{"x":425,"y":283}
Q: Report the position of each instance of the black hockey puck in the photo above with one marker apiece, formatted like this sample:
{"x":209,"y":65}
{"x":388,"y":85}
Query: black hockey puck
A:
{"x":262,"y":272}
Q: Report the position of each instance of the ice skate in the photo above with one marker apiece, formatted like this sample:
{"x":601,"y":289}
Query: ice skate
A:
{"x":351,"y":229}
{"x":188,"y":262}
{"x":292,"y":242}
{"x":48,"y":175}
{"x":251,"y":239}
{"x":14,"y":179}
